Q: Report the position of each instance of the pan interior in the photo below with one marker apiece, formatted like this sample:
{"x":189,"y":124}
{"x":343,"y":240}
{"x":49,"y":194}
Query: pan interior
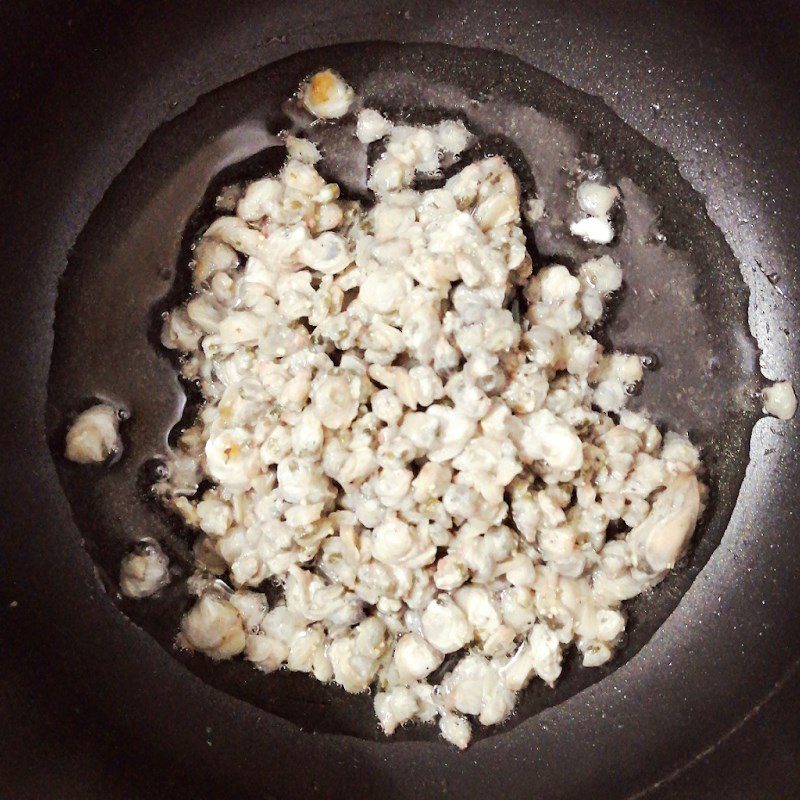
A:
{"x":683,"y":301}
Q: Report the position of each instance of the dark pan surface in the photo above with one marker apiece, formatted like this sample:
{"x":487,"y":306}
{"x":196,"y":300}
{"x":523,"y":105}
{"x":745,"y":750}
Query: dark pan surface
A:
{"x":683,"y":298}
{"x":730,"y":124}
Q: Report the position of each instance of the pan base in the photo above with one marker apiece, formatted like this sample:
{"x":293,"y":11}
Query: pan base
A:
{"x":684,"y":301}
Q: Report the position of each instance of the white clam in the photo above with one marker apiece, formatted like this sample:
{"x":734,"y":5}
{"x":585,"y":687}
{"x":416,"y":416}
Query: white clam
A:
{"x":214,"y":627}
{"x":780,"y":400}
{"x":94,"y":435}
{"x":659,"y":541}
{"x":326,"y":95}
{"x":445,"y":626}
{"x":143,"y":572}
{"x":415,"y":658}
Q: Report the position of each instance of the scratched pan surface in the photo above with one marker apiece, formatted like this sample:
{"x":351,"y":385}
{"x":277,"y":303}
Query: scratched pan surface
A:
{"x":112,"y":175}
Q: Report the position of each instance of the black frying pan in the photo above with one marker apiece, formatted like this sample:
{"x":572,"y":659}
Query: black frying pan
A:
{"x":708,"y":96}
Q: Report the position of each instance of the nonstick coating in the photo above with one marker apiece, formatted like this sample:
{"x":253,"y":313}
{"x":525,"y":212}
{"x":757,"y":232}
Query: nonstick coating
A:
{"x":130,"y":264}
{"x":708,"y":87}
